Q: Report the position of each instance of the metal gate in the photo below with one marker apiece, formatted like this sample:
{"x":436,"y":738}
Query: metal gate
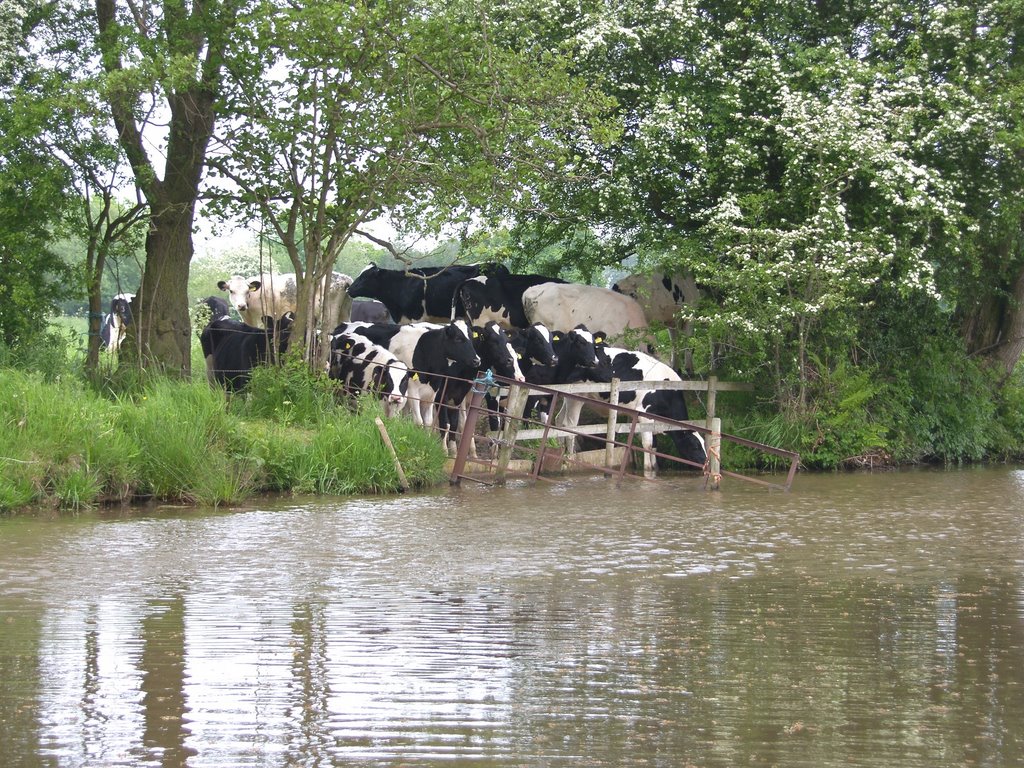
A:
{"x":550,"y":446}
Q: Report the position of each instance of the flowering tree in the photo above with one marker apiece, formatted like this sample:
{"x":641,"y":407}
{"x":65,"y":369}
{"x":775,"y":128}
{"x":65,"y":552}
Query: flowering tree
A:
{"x":803,"y":160}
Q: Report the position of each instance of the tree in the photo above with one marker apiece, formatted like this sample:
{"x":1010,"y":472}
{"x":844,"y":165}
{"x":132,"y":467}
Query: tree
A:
{"x":794,"y":156}
{"x":165,"y":60}
{"x":347,"y":112}
{"x":33,"y":193}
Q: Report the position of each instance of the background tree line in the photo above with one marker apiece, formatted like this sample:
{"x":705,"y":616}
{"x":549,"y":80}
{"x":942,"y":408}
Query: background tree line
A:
{"x":842,"y":179}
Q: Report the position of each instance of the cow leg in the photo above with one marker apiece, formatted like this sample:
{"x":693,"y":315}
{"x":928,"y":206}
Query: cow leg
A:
{"x":650,"y":460}
{"x":569,"y":416}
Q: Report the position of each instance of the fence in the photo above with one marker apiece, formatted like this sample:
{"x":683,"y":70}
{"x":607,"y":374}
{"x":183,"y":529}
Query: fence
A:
{"x":518,"y":428}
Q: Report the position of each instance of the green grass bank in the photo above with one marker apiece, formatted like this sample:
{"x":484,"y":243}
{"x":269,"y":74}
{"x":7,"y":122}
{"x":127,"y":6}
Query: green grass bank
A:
{"x":63,"y":444}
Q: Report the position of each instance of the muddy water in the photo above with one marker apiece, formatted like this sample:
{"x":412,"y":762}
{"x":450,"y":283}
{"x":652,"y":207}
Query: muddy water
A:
{"x":873,"y":620}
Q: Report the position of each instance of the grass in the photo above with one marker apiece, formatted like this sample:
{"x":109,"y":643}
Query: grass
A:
{"x":64,"y":445}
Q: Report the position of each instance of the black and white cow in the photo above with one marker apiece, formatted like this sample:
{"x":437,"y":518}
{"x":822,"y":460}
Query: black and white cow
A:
{"x":422,"y":294}
{"x":429,"y":350}
{"x":575,"y":354}
{"x":496,"y":354}
{"x":630,"y":365}
{"x":532,"y":346}
{"x":496,"y":295}
{"x":216,"y":307}
{"x":232,"y":348}
{"x":662,"y":297}
{"x":115,"y":323}
{"x":363,"y":366}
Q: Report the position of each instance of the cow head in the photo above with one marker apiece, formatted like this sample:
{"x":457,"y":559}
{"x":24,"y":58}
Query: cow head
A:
{"x":121,"y":307}
{"x":576,"y":348}
{"x":534,"y":345}
{"x":458,"y":345}
{"x":391,"y":381}
{"x":367,"y":283}
{"x":239,"y":291}
{"x":495,"y":350}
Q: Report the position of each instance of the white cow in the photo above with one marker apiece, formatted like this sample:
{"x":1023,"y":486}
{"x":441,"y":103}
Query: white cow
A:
{"x":566,"y":305}
{"x":273,"y":295}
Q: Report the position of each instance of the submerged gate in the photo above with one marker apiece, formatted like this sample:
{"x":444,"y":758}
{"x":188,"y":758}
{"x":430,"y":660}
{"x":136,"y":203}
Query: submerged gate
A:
{"x":551,"y":447}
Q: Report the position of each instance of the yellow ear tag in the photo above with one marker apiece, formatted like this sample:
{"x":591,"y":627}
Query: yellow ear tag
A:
{"x":519,"y":356}
{"x":556,"y":337}
{"x":598,"y":339}
{"x":476,"y":335}
{"x":415,"y":377}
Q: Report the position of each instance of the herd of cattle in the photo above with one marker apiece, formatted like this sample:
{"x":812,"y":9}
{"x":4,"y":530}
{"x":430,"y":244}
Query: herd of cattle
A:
{"x":418,"y":338}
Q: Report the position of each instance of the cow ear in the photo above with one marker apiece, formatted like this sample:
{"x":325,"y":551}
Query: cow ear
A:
{"x":222,"y":285}
{"x":255,"y":285}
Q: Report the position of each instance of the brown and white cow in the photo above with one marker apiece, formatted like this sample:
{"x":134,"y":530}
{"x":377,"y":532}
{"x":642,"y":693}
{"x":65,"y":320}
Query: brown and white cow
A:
{"x":662,"y":296}
{"x":270,"y":295}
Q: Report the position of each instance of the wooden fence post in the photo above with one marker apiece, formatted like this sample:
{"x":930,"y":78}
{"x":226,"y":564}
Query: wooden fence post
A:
{"x":516,"y":404}
{"x":714,"y":449}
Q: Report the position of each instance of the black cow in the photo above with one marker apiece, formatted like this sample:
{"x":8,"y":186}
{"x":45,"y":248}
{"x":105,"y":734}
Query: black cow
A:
{"x":496,"y":354}
{"x":575,"y":354}
{"x":417,"y":294}
{"x":232,"y":348}
{"x":115,"y":323}
{"x":496,"y":296}
{"x":369,"y":311}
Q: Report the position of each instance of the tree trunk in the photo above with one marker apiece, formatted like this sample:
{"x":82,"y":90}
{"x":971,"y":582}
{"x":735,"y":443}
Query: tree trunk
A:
{"x":994,"y":328}
{"x":160,"y":339}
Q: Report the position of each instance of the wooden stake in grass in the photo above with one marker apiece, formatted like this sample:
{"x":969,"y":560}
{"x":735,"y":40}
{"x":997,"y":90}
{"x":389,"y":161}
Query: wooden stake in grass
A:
{"x":402,"y":482}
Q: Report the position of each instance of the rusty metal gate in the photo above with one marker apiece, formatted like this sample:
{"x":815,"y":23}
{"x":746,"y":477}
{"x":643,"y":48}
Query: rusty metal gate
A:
{"x":551,"y":447}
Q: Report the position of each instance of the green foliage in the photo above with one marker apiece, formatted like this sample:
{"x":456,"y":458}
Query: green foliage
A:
{"x":57,"y":440}
{"x":287,"y":393}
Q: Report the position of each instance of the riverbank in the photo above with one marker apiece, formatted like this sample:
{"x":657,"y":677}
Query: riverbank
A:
{"x":66,"y":446}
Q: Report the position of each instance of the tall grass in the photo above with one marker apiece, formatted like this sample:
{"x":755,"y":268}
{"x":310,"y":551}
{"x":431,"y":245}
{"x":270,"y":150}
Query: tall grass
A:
{"x":64,"y":444}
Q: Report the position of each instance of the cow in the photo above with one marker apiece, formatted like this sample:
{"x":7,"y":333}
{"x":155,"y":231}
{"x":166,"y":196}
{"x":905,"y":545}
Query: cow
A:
{"x":270,"y":295}
{"x":662,"y":297}
{"x":369,"y":311}
{"x":414,"y":295}
{"x":498,"y":296}
{"x":209,"y":309}
{"x":429,"y":350}
{"x":630,"y":365}
{"x":363,"y":366}
{"x":232,"y":348}
{"x":575,"y":354}
{"x":532,"y":346}
{"x":566,"y":305}
{"x":115,"y":323}
{"x":496,"y":354}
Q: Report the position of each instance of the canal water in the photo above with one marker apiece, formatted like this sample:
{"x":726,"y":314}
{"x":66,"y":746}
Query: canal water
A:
{"x":859,"y":620}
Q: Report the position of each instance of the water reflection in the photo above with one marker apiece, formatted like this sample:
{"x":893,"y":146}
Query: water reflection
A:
{"x":860,"y":620}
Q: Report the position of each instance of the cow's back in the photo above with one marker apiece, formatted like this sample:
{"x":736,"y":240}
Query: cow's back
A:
{"x":566,"y":305}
